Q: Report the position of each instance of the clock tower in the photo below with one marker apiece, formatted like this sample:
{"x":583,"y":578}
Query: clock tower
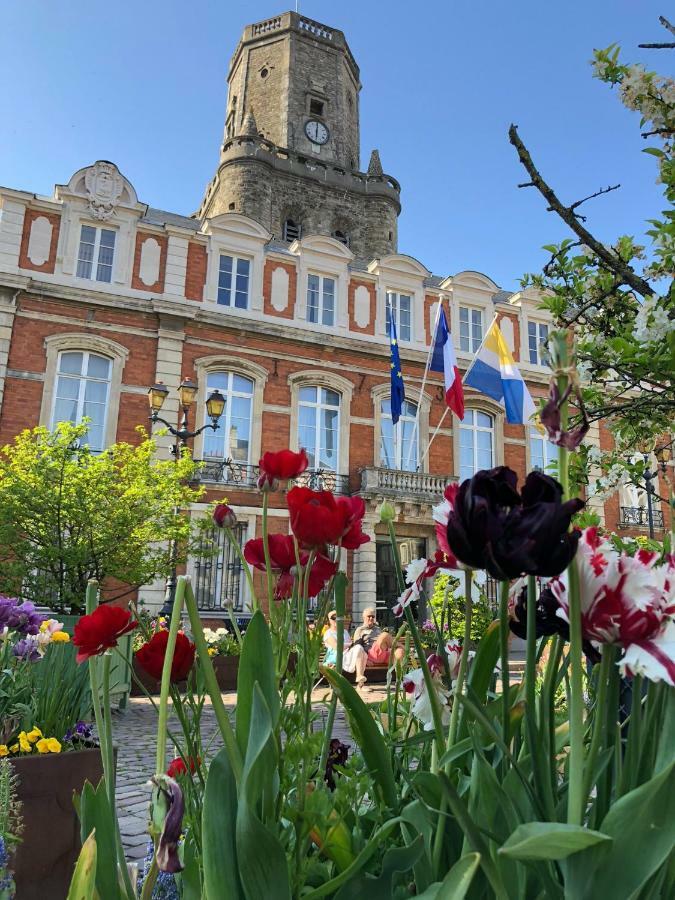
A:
{"x":290,"y":157}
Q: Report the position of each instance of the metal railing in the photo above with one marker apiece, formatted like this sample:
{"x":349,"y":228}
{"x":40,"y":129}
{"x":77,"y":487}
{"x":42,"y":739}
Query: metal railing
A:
{"x":219,"y":577}
{"x":398,"y":483}
{"x":638,"y":517}
{"x":228,"y":471}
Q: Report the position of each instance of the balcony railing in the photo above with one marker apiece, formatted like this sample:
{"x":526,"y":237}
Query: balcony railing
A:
{"x":396,"y":483}
{"x":230,"y":472}
{"x":638,"y":517}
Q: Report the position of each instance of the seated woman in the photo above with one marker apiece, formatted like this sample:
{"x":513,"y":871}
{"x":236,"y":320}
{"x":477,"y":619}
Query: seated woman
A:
{"x":330,"y":637}
{"x":370,"y":647}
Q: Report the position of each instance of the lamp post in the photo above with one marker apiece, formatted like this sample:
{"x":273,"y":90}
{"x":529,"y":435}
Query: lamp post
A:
{"x":663,"y":455}
{"x":215,"y":404}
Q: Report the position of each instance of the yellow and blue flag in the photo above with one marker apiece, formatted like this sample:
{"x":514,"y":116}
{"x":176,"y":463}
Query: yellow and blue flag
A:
{"x":397,"y":395}
{"x":493,"y":372}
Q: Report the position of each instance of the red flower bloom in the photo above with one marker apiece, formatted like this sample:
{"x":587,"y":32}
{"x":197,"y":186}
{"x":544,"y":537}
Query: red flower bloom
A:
{"x":354,"y":536}
{"x":151,"y":655}
{"x":282,"y":552}
{"x":177,"y":766}
{"x":322,"y":571}
{"x":281,"y":466}
{"x":100,"y":630}
{"x":317,"y":518}
{"x":224,"y":516}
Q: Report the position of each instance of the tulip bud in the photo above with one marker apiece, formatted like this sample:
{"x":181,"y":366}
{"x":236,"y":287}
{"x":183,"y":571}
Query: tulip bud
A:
{"x":224,"y":516}
{"x":387,"y":512}
{"x":266,"y":483}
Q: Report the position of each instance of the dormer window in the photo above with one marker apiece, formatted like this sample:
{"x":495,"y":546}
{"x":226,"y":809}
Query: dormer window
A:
{"x":341,"y":236}
{"x":292,"y":231}
{"x":400,"y":305}
{"x":470,"y":329}
{"x":96,"y":254}
{"x":537,"y":336}
{"x":320,"y":300}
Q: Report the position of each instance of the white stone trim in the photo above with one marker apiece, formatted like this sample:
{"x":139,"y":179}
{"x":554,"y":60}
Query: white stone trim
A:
{"x":118,"y":354}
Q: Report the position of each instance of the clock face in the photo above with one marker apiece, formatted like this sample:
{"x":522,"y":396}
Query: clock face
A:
{"x":316,"y":131}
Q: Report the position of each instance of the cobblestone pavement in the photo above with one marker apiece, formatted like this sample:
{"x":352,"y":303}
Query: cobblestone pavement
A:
{"x":135,"y":730}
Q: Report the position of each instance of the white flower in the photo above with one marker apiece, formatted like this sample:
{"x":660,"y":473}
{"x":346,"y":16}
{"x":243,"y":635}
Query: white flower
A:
{"x":655,"y":658}
{"x":415,"y":569}
{"x":407,"y":597}
{"x":416,"y":689}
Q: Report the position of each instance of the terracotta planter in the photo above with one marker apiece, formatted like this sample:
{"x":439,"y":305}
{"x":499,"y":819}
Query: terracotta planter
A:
{"x":46,"y":857}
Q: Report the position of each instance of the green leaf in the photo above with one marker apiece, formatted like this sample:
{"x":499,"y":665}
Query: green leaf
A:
{"x":456,"y":883}
{"x":263,"y":867}
{"x":83,"y":883}
{"x":665,"y":754}
{"x":256,"y":664}
{"x":219,"y":814}
{"x":369,"y":739}
{"x":95,"y":815}
{"x":481,"y":671}
{"x":550,"y":840}
{"x":397,"y":859}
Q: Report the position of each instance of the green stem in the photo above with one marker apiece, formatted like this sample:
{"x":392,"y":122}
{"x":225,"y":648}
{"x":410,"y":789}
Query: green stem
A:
{"x":598,"y":717}
{"x":176,"y":612}
{"x":266,"y":550}
{"x":340,"y":588}
{"x":547,"y":707}
{"x":463,"y":663}
{"x":234,"y":543}
{"x":211,"y":681}
{"x":531,"y":655}
{"x":575,"y":800}
{"x":504,"y":653}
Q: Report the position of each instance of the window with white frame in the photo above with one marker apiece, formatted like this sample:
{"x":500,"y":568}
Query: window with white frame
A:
{"x":96,"y":253}
{"x":470,"y":329}
{"x":476,"y":443}
{"x":232,"y":439}
{"x":400,"y":305}
{"x":319,"y":426}
{"x":537,"y":335}
{"x":542,"y":452}
{"x":320,"y":300}
{"x":233,"y":281}
{"x":83,"y":391}
{"x":398,"y":450}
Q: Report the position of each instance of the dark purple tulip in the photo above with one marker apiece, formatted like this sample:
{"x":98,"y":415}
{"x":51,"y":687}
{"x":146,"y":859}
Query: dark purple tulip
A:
{"x":508,"y":534}
{"x":552,"y":420}
{"x":337,"y":756}
{"x":548,"y":622}
{"x":167,"y":850}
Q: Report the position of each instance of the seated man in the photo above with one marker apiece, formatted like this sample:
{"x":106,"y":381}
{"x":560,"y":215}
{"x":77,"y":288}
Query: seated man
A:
{"x":370,"y":646}
{"x":330,"y":637}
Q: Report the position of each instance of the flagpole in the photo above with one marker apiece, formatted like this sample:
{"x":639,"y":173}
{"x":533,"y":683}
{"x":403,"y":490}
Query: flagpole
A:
{"x":475,"y":357}
{"x":424,"y":381}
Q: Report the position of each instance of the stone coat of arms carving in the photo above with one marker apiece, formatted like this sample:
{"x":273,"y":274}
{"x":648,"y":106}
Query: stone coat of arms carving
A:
{"x":104,"y":188}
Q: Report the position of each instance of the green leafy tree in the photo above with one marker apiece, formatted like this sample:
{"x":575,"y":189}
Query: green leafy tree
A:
{"x":68,"y":515}
{"x":482,"y":615}
{"x":620,"y":297}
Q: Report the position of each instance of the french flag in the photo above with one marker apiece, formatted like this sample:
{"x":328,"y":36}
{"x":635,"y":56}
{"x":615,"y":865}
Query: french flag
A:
{"x":444,"y":360}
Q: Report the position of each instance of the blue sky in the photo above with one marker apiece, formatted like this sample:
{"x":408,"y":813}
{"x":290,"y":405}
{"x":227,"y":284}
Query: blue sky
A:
{"x":143,"y":84}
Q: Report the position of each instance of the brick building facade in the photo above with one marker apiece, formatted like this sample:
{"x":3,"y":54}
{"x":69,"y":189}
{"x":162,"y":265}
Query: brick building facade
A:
{"x":102,"y":295}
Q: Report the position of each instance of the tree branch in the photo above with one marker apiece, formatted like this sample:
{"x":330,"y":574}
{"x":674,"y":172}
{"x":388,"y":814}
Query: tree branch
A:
{"x":599,"y":193}
{"x":613,"y":262}
{"x":667,"y":46}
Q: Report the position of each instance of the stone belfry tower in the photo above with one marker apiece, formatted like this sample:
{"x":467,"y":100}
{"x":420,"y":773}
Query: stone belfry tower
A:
{"x":290,"y":154}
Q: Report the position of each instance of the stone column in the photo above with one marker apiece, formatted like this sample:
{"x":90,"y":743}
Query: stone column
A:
{"x":12,"y":214}
{"x":7,"y":313}
{"x":364,"y":573}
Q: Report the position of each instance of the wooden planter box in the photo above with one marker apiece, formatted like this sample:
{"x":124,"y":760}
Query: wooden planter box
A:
{"x":45,"y":858}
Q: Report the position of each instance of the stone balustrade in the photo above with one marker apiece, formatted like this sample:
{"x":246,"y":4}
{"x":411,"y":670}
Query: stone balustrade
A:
{"x":395,"y":483}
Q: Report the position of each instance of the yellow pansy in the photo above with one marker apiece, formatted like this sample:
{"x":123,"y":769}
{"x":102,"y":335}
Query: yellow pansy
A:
{"x":45,"y":625}
{"x":24,"y":743}
{"x":60,"y":637}
{"x":48,"y":745}
{"x":212,"y":651}
{"x":34,"y":735}
{"x":4,"y":750}
{"x":14,"y":748}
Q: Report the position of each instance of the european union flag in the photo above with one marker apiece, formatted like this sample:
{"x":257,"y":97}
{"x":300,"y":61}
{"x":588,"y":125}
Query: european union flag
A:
{"x":397,"y":386}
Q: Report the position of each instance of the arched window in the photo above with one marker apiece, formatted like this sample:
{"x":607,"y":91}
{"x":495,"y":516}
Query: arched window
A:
{"x":319,"y":426}
{"x":542,"y":452}
{"x":397,"y":449}
{"x":476,"y":443}
{"x":83,"y":391}
{"x":292,"y":231}
{"x":232,"y":440}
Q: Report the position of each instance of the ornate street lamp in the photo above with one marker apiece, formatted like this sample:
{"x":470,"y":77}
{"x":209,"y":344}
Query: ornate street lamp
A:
{"x":215,"y":404}
{"x":663,"y":454}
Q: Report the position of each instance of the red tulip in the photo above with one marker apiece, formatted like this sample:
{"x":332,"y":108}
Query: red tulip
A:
{"x":281,"y":466}
{"x":224,"y":516}
{"x":282,"y":552}
{"x":177,"y":766}
{"x":317,"y":518}
{"x":354,"y":536}
{"x":100,"y":630}
{"x":151,"y":656}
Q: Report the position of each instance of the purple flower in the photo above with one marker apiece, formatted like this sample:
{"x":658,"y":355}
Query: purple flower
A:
{"x":167,"y":849}
{"x":21,"y":617}
{"x":26,"y":649}
{"x":337,"y":756}
{"x":494,"y":527}
{"x":83,"y":731}
{"x":551,"y":417}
